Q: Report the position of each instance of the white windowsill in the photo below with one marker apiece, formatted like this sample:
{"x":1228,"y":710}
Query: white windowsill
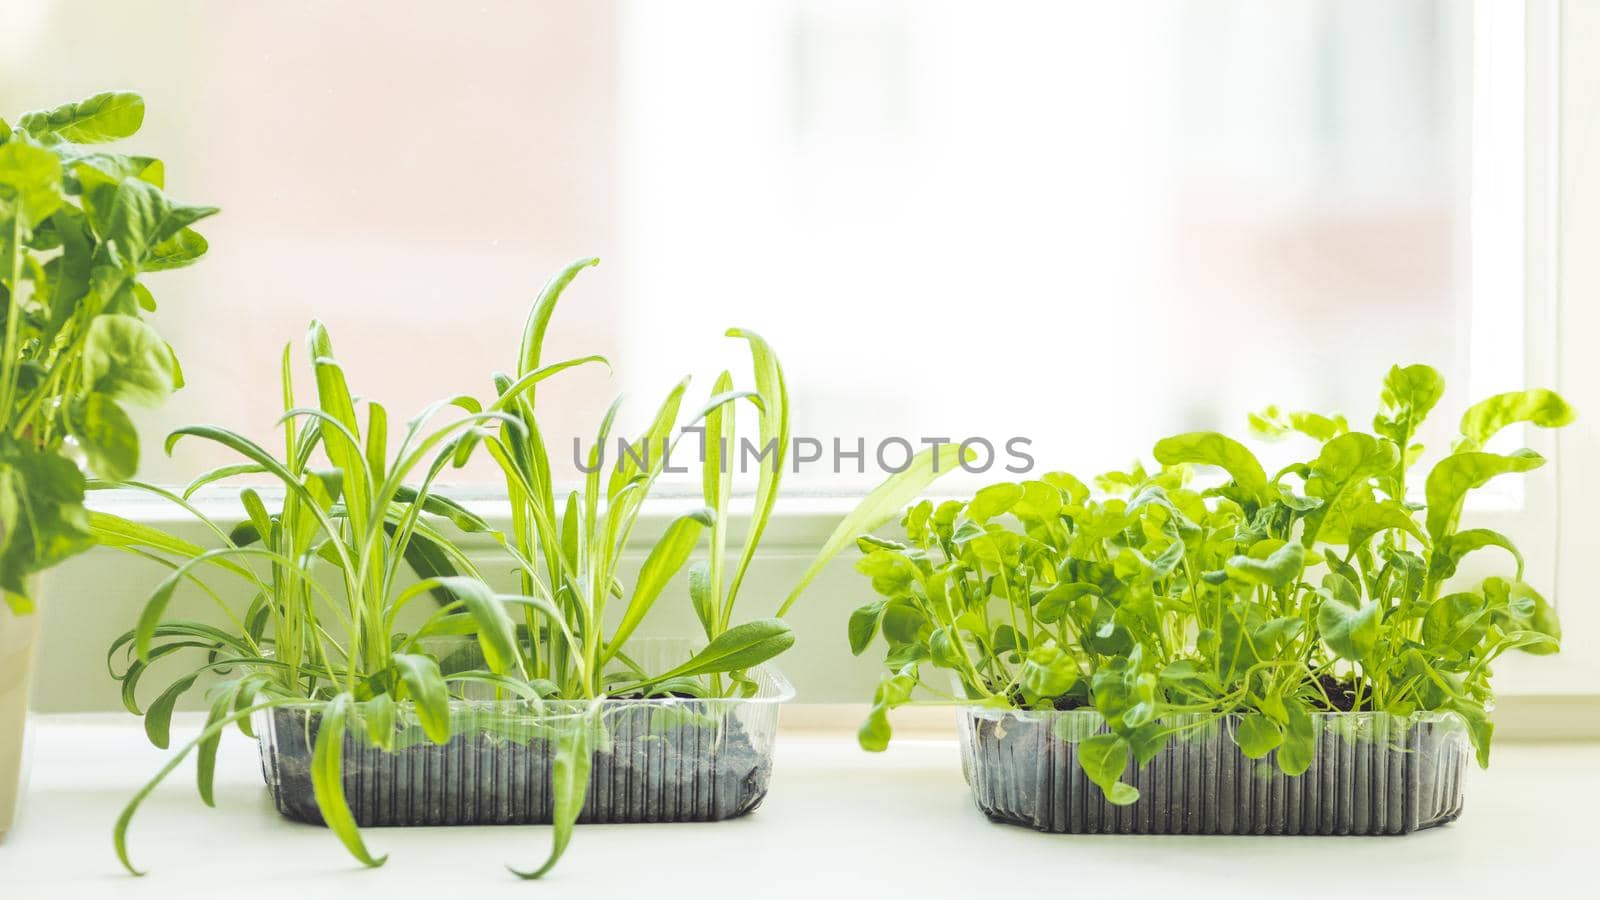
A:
{"x":895,"y":824}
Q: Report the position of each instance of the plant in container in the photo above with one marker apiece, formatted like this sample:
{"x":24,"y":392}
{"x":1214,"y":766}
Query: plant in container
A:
{"x":1293,"y":653}
{"x":80,"y":226}
{"x":682,"y":736}
{"x":480,"y":707}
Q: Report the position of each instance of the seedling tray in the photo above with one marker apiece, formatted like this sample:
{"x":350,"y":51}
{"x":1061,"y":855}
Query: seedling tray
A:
{"x":1372,"y":774}
{"x":666,"y":760}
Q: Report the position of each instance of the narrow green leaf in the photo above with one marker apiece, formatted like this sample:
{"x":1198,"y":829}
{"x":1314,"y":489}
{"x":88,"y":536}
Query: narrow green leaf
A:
{"x":327,"y":779}
{"x":881,"y":505}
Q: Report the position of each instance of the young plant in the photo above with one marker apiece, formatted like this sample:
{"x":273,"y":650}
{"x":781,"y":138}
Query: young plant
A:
{"x":1321,"y":588}
{"x":568,"y":550}
{"x":343,"y":654}
{"x":80,"y":226}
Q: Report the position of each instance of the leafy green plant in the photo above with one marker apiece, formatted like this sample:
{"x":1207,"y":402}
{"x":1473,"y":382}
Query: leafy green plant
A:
{"x":340,"y":652}
{"x":80,"y":227}
{"x":1323,"y":587}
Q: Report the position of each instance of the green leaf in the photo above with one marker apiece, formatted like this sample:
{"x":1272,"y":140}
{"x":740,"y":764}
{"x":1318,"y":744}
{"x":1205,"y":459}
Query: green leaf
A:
{"x":1455,"y":475}
{"x":894,"y":690}
{"x":109,"y":116}
{"x":1450,"y":551}
{"x":740,"y":647}
{"x":881,"y":505}
{"x":569,"y":783}
{"x":1213,"y":449}
{"x":864,"y":625}
{"x":106,"y":434}
{"x":1539,"y":407}
{"x":773,"y":426}
{"x":665,"y":559}
{"x":1281,"y":568}
{"x":701,"y":597}
{"x":1299,"y":741}
{"x":42,"y":519}
{"x":125,"y":359}
{"x":427,"y":690}
{"x":158,"y":716}
{"x":497,"y":635}
{"x":994,"y":500}
{"x":1103,"y":758}
{"x":182,"y":249}
{"x":1375,"y":516}
{"x":327,"y":779}
{"x":1048,"y":672}
{"x":1257,"y":735}
{"x":1409,"y":394}
{"x":1454,"y":625}
{"x":1349,"y":627}
{"x":30,"y":185}
{"x":139,"y":222}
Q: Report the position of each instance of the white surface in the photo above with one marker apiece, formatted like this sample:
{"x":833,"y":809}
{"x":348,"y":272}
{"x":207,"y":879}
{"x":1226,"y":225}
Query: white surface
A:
{"x":892,"y":825}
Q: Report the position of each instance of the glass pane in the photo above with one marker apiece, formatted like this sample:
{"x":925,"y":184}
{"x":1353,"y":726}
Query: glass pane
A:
{"x":1085,"y":225}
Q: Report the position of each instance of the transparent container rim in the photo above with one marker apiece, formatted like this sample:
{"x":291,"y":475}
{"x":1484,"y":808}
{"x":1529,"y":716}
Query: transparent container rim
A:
{"x":978,"y":711}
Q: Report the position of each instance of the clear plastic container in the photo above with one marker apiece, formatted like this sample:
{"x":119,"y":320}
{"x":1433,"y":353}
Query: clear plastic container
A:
{"x":657,"y":760}
{"x":1372,"y":773}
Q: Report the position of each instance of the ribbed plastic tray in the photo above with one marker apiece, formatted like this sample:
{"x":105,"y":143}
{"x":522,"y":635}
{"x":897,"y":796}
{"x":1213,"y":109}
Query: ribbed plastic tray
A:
{"x":666,"y":760}
{"x":1372,"y":774}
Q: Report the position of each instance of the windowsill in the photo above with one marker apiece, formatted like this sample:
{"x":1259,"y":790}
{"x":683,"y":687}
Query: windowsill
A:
{"x":900,"y":823}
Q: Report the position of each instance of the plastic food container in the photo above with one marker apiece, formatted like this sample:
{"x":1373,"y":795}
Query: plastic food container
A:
{"x":1373,"y":773}
{"x":658,"y":760}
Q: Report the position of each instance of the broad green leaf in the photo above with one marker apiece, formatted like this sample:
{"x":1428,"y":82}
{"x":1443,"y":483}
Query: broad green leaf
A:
{"x":1257,"y":735}
{"x":30,"y":187}
{"x":139,"y":220}
{"x":1280,"y":568}
{"x":863,"y":625}
{"x":1273,"y":423}
{"x":1409,"y":394}
{"x":1538,"y":407}
{"x":881,"y":505}
{"x":106,"y":434}
{"x":994,"y":500}
{"x":1213,"y":449}
{"x":108,"y":116}
{"x":1450,"y":551}
{"x":1103,"y":758}
{"x":1375,"y":516}
{"x":125,"y":359}
{"x":42,"y":519}
{"x":893,"y":690}
{"x":1349,"y":626}
{"x":1048,"y":672}
{"x":1458,"y":473}
{"x":1299,"y":745}
{"x":1454,"y":625}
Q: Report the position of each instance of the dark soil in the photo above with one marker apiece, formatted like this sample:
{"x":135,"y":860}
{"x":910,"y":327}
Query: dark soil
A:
{"x":1342,"y":694}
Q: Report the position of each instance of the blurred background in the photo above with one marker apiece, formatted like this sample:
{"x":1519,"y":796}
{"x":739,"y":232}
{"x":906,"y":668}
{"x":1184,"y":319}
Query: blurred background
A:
{"x":1090,"y":225}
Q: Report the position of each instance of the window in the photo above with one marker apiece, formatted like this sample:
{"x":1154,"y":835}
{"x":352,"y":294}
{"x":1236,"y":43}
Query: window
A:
{"x":947,"y":217}
{"x":951,"y":219}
